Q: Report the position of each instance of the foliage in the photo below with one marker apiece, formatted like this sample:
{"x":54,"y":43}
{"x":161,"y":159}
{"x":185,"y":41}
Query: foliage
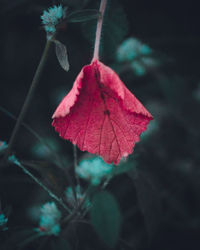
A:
{"x":105,"y":217}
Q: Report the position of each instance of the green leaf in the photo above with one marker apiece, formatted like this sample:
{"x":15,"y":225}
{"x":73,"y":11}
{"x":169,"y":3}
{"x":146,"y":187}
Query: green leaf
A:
{"x":83,"y":15}
{"x":105,"y":217}
{"x":115,"y":27}
{"x":61,"y":53}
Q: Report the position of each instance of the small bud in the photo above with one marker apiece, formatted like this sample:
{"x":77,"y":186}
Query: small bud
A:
{"x":49,"y":219}
{"x":51,"y":18}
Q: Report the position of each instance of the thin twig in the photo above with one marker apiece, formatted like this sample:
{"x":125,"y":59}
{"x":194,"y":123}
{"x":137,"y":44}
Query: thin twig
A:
{"x":58,"y":161}
{"x":34,"y":133}
{"x":26,"y":171}
{"x":28,"y":99}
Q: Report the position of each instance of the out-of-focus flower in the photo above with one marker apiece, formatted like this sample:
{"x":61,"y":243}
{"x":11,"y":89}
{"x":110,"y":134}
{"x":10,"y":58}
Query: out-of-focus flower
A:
{"x":3,"y":220}
{"x":94,"y":170}
{"x":51,"y":18}
{"x":138,"y":68}
{"x":3,"y":146}
{"x":138,"y":55}
{"x":49,"y":219}
{"x":79,"y":196}
{"x":132,"y":48}
{"x":149,"y":62}
{"x":41,"y":150}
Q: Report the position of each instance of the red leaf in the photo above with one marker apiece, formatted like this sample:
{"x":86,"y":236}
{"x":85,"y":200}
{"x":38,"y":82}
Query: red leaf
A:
{"x":100,"y":114}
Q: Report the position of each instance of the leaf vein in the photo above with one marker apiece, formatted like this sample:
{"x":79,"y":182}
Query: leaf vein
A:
{"x":91,"y":100}
{"x":101,"y":133}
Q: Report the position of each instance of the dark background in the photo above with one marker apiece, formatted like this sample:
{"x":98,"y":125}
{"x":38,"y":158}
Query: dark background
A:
{"x":161,"y":206}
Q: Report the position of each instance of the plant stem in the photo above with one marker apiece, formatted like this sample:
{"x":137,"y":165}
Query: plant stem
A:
{"x":75,"y":212}
{"x":58,"y":162}
{"x":26,"y":171}
{"x":99,"y":29}
{"x":76,"y":164}
{"x":72,"y":215}
{"x":28,"y":99}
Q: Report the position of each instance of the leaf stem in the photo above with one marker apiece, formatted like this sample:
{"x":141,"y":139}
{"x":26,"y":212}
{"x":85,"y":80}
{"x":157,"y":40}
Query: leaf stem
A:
{"x":28,"y":99}
{"x":99,"y":29}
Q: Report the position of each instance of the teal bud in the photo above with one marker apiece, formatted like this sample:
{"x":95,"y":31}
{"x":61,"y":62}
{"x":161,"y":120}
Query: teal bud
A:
{"x":50,"y":219}
{"x":94,"y":170}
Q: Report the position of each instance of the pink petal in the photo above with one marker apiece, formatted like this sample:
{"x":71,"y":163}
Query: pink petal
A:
{"x":100,"y":115}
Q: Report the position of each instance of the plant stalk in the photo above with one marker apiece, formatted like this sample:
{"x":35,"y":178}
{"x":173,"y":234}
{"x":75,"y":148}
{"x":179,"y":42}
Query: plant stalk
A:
{"x":76,"y":165}
{"x":99,"y":29}
{"x":26,"y":171}
{"x":28,"y":99}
